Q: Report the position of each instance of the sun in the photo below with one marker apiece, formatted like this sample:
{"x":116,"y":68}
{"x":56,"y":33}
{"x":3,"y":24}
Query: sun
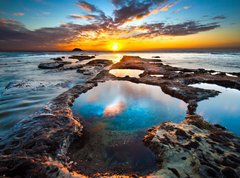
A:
{"x":115,"y":46}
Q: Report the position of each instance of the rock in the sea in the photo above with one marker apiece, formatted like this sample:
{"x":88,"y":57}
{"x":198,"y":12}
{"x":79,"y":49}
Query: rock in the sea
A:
{"x":194,"y":148}
{"x":156,"y":57}
{"x":100,"y":62}
{"x":77,"y":49}
{"x":81,"y":58}
{"x":94,"y":67}
{"x":50,"y":65}
{"x":57,"y":59}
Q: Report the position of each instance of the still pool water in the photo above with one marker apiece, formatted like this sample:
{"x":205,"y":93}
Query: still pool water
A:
{"x":126,"y":106}
{"x":126,"y":72}
{"x":116,"y":115}
{"x":223,"y":109}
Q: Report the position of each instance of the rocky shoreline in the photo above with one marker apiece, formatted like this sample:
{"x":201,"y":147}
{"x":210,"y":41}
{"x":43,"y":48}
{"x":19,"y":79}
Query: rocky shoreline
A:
{"x":194,"y":148}
{"x":38,"y":147}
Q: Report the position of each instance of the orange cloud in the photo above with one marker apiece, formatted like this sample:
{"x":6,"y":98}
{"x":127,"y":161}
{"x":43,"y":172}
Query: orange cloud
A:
{"x":86,"y":17}
{"x":114,"y":109}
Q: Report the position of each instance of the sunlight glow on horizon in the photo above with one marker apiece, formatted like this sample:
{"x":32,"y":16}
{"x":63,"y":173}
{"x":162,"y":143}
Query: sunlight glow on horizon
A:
{"x":110,"y":26}
{"x":115,"y":46}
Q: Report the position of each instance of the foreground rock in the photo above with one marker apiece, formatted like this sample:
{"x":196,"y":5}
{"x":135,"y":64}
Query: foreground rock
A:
{"x":194,"y":148}
{"x":38,"y":146}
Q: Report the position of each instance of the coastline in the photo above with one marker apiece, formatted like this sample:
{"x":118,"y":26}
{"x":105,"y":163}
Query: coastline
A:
{"x":55,"y":128}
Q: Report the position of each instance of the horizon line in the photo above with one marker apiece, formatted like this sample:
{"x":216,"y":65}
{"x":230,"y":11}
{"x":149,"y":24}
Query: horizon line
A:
{"x":156,"y":50}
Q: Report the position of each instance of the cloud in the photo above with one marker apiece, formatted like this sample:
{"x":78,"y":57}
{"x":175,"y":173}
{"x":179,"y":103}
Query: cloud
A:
{"x":100,"y":15}
{"x":181,"y":29}
{"x":220,"y":17}
{"x":114,"y":109}
{"x":14,"y":34}
{"x":18,"y":14}
{"x":46,"y":13}
{"x":130,"y":10}
{"x":182,"y":9}
{"x":87,"y":17}
{"x":87,"y":6}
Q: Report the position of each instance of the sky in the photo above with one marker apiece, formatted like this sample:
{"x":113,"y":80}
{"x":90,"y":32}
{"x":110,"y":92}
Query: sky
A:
{"x":124,"y":25}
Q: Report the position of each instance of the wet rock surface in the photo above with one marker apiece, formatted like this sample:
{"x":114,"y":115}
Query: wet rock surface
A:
{"x":94,"y":67}
{"x":65,"y":63}
{"x":194,"y":148}
{"x":175,"y":80}
{"x":82,"y":57}
{"x":39,"y":143}
{"x":50,"y":65}
{"x":38,"y":147}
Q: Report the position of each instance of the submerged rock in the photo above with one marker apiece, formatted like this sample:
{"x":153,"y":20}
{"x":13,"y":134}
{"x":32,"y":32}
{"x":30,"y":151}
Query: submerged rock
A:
{"x":81,"y":58}
{"x":194,"y":147}
{"x":156,"y":57}
{"x":50,"y":65}
{"x":57,"y":59}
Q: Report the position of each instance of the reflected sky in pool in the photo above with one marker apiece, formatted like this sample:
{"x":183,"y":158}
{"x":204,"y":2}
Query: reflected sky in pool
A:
{"x":115,"y":115}
{"x":126,"y":72}
{"x":128,"y":106}
{"x":223,"y":109}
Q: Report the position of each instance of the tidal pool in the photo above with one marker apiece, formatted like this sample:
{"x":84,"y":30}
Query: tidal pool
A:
{"x":116,"y":115}
{"x":223,"y":109}
{"x":126,"y":72}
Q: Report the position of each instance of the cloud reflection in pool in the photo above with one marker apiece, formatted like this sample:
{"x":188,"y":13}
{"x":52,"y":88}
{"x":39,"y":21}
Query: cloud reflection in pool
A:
{"x":128,"y":106}
{"x":115,"y":115}
{"x":126,"y":72}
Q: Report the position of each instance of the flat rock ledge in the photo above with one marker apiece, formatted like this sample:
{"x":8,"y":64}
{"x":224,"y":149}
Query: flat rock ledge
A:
{"x":38,"y":146}
{"x":194,"y":148}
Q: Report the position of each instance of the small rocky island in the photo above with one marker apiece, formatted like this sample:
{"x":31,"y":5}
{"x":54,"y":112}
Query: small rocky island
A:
{"x":191,"y":148}
{"x":77,"y":49}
